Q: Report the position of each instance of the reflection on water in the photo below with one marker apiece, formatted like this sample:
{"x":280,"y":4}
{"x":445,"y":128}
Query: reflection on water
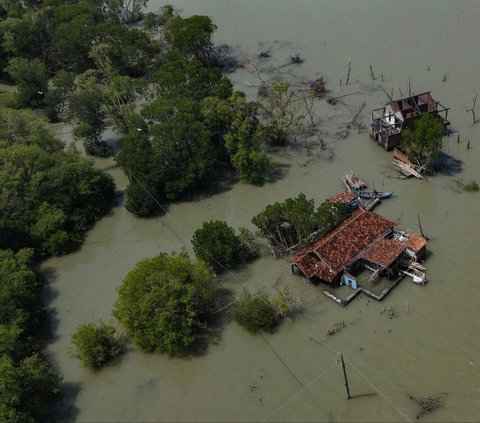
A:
{"x":430,"y":348}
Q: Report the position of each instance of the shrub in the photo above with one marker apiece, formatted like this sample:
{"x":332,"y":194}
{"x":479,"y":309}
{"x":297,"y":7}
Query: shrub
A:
{"x":96,"y":345}
{"x":216,"y":244}
{"x":164,"y":300}
{"x":255,"y":311}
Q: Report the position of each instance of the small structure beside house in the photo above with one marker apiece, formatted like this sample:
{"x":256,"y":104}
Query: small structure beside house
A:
{"x":348,"y":198}
{"x":389,"y":121}
{"x":363,"y":241}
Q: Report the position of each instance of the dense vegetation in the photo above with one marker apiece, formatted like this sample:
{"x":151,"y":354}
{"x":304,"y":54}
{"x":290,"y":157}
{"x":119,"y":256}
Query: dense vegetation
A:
{"x":292,"y":223}
{"x":164,"y":301}
{"x":28,"y":387}
{"x":49,"y":195}
{"x":255,"y":311}
{"x":422,"y":145}
{"x":96,"y":345}
{"x":217,"y":244}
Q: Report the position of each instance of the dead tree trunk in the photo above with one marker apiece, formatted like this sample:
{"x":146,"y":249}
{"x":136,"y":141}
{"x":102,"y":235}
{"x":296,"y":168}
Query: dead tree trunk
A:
{"x":348,"y":71}
{"x":473,"y":108}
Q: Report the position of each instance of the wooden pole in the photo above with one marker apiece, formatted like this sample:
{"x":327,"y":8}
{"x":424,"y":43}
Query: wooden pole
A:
{"x":345,"y":377}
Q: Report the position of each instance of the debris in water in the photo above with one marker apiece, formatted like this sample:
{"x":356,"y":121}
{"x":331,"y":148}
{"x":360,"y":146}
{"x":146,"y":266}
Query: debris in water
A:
{"x":428,"y":404}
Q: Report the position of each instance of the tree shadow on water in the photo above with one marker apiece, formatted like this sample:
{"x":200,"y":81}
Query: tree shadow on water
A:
{"x":65,"y":410}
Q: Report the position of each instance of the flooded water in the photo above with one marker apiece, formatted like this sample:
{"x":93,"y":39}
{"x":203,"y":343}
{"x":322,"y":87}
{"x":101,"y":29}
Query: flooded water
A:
{"x":431,"y":343}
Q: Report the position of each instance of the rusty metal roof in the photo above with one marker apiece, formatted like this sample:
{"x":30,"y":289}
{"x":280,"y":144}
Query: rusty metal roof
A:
{"x":343,"y":197}
{"x":415,"y":242}
{"x":384,"y":252}
{"x":329,"y":255}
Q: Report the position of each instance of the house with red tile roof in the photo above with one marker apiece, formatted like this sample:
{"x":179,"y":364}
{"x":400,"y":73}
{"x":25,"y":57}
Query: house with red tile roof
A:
{"x":363,"y":240}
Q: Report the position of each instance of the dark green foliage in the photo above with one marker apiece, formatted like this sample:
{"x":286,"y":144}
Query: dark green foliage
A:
{"x":423,"y":144}
{"x":164,"y":301}
{"x":138,"y":202}
{"x":192,"y":79}
{"x":20,"y":308}
{"x":183,"y":156}
{"x":32,"y":81}
{"x":191,"y":37}
{"x":63,"y":83}
{"x":244,"y":139}
{"x":85,"y":105}
{"x":49,"y":196}
{"x":27,"y":390}
{"x":295,"y":221}
{"x":216,"y":244}
{"x":255,"y":311}
{"x":96,"y":345}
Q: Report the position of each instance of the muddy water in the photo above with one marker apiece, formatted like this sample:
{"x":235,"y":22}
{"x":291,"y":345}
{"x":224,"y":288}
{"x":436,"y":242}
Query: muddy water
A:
{"x":238,"y":377}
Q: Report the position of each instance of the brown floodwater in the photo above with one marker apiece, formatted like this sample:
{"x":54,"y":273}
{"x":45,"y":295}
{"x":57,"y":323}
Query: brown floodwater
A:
{"x":293,"y":375}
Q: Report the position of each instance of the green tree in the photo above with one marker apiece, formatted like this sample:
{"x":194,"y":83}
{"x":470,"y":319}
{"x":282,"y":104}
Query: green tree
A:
{"x":192,"y":79}
{"x":244,"y":139}
{"x":255,"y":311}
{"x":27,"y":391}
{"x":49,"y":195}
{"x":191,"y":37}
{"x":63,"y":83}
{"x":294,"y":222}
{"x":32,"y":81}
{"x":283,"y":111}
{"x":164,"y":301}
{"x":20,"y":307}
{"x":96,"y":345}
{"x":183,"y":155}
{"x":85,"y":105}
{"x":216,"y":244}
{"x":422,"y":145}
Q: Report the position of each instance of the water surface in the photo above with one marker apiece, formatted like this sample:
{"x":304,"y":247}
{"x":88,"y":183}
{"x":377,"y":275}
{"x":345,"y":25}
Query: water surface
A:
{"x":240,"y":377}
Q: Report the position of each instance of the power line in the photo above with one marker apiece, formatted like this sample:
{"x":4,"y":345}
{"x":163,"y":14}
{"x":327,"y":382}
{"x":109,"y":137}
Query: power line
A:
{"x":288,"y":318}
{"x":299,"y":392}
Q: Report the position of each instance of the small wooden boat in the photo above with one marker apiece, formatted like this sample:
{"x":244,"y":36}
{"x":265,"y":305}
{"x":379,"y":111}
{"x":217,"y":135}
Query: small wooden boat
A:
{"x":369,"y":195}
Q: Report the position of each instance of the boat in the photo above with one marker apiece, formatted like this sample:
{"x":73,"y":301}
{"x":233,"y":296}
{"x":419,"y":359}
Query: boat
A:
{"x":369,"y":195}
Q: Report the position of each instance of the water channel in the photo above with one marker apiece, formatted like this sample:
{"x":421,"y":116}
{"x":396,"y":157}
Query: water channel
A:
{"x":292,"y":375}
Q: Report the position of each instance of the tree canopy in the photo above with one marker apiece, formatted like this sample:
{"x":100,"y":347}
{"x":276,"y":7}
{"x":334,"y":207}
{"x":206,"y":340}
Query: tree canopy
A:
{"x":255,"y":311}
{"x":50,"y":195}
{"x":290,"y":224}
{"x":164,"y":301}
{"x":216,"y":244}
{"x":95,"y":345}
{"x":27,"y":390}
{"x":423,"y":144}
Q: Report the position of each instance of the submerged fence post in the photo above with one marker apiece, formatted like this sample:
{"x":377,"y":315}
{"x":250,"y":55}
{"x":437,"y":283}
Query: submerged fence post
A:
{"x":345,"y":376}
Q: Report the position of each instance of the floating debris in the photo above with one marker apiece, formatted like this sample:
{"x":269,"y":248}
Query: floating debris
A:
{"x":428,"y":404}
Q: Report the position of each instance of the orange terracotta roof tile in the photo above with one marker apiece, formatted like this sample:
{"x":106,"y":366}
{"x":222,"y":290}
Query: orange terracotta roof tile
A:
{"x":343,"y":197}
{"x":383,"y":252}
{"x":333,"y":252}
{"x":416,"y":242}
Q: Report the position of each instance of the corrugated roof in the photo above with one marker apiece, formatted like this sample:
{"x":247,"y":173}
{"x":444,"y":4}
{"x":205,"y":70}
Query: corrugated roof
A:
{"x":343,"y":197}
{"x":415,"y":242}
{"x":383,"y":252}
{"x":333,"y":252}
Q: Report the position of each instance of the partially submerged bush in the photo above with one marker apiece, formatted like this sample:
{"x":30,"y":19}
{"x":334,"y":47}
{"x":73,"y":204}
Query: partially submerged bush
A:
{"x":255,"y":311}
{"x":472,"y":186}
{"x":164,"y":301}
{"x":96,"y":345}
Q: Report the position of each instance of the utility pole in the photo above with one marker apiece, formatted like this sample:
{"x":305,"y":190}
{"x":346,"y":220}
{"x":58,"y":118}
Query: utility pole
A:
{"x":345,"y":376}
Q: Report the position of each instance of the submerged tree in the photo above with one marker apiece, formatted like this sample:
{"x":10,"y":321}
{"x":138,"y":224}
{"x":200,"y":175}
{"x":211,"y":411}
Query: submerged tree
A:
{"x":164,"y":301}
{"x":96,"y":345}
{"x":422,"y":145}
{"x":289,"y":225}
{"x":86,"y":110}
{"x":32,"y":81}
{"x":255,"y":311}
